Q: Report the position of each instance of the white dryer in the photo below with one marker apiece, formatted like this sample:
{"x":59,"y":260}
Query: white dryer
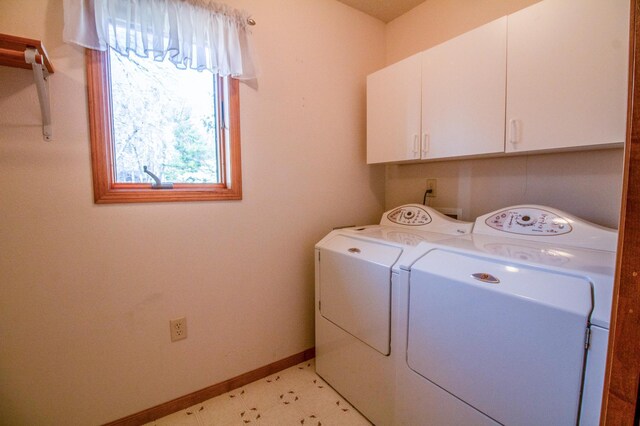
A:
{"x":508,"y":326}
{"x":354,"y":303}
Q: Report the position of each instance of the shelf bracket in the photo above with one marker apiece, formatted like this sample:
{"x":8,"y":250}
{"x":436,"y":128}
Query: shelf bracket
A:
{"x":40,"y":75}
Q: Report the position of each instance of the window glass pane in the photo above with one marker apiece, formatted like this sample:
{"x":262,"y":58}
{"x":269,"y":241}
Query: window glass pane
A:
{"x":163,"y":118}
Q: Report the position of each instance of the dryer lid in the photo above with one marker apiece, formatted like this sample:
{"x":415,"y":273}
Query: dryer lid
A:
{"x":354,"y":279}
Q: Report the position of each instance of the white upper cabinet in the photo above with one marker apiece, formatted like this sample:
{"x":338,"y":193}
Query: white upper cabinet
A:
{"x":463,"y":93}
{"x":567,"y":66}
{"x":445,"y":102}
{"x":549,"y":77}
{"x":393,"y":112}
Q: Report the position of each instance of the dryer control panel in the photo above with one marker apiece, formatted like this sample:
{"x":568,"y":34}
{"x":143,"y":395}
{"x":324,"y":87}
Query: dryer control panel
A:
{"x":529,"y":221}
{"x":409,"y":215}
{"x":418,"y":217}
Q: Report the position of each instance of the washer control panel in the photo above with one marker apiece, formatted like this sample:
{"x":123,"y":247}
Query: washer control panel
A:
{"x":547,"y":225}
{"x":411,"y":215}
{"x":529,"y":221}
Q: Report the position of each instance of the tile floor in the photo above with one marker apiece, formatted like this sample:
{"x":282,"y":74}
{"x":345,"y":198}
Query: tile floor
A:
{"x":295,"y":396}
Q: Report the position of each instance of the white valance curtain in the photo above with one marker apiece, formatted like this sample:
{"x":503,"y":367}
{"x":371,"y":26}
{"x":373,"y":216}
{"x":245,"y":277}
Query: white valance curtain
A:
{"x":197,"y":34}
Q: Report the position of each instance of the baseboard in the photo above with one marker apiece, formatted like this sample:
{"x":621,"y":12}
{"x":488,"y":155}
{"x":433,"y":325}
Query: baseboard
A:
{"x":197,"y":397}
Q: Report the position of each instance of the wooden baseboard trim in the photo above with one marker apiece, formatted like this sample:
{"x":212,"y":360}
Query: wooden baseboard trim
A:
{"x":197,"y":397}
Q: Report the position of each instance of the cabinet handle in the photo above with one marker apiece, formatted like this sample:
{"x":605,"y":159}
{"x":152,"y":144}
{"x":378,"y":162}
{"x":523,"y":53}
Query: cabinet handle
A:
{"x":425,"y":144}
{"x":513,"y":131}
{"x":416,"y":148}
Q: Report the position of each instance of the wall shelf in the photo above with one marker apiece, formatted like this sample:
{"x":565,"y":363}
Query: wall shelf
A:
{"x":19,"y":52}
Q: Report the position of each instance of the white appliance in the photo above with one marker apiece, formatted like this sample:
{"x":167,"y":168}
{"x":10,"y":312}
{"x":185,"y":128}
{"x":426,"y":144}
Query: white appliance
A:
{"x":354,"y":298}
{"x":508,"y":325}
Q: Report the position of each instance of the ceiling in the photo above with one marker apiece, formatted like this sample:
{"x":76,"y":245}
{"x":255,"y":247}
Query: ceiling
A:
{"x":385,"y":10}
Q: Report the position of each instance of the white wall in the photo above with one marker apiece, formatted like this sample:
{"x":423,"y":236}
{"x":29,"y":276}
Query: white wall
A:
{"x":86,"y":291}
{"x":587,"y":184}
{"x":436,"y":21}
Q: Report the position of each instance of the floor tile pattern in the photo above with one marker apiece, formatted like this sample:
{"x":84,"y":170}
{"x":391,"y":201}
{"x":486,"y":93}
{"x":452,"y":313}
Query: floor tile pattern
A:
{"x":293,"y":397}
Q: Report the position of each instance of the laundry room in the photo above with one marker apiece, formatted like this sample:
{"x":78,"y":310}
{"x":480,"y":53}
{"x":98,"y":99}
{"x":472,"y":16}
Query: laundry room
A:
{"x":125,"y":301}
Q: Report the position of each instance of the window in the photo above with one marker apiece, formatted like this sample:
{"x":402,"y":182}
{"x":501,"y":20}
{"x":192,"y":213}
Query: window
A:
{"x":141,"y":123}
{"x":142,"y":118}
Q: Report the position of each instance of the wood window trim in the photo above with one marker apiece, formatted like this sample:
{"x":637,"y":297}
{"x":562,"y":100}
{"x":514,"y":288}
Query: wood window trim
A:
{"x":107,"y":191}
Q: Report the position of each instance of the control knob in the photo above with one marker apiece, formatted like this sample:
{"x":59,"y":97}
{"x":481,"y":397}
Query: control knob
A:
{"x":526,"y":220}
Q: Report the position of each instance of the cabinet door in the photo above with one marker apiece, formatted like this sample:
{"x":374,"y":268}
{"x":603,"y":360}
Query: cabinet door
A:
{"x":393,"y":112}
{"x":567,"y":74}
{"x":463,"y":93}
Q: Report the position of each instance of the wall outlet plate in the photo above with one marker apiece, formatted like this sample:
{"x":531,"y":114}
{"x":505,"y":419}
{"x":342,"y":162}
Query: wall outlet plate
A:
{"x":178,"y":329}
{"x":432,"y":184}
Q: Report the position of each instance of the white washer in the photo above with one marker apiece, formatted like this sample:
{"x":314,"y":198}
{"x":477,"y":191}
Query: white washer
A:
{"x":507,"y":326}
{"x":355,"y":291}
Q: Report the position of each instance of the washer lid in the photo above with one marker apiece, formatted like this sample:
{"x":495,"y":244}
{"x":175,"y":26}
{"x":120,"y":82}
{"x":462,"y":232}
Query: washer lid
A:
{"x":599,"y":266}
{"x":508,"y":341}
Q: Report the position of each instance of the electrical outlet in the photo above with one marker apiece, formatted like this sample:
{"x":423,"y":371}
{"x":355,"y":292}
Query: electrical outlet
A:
{"x":432,"y":184}
{"x":178,"y":328}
